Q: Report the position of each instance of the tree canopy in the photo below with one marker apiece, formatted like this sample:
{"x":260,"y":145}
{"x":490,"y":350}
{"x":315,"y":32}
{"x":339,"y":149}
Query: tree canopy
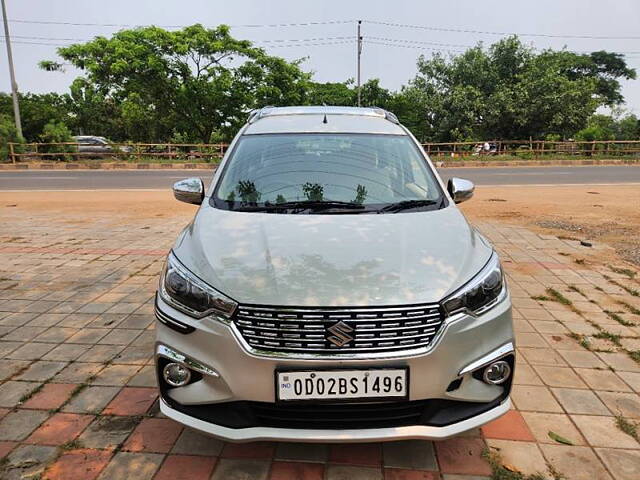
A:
{"x":509,"y":91}
{"x":198,"y":85}
{"x":194,"y":81}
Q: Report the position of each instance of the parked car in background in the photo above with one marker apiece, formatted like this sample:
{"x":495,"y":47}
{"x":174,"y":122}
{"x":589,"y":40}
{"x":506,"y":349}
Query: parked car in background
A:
{"x":95,"y":144}
{"x":328,"y":289}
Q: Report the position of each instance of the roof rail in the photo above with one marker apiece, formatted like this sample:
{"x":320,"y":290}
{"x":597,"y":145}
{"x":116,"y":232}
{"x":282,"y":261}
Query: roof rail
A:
{"x":259,"y":113}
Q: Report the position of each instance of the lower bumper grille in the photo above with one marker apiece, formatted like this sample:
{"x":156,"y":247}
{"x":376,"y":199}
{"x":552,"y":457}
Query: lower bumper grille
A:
{"x":437,"y":413}
{"x":334,"y":331}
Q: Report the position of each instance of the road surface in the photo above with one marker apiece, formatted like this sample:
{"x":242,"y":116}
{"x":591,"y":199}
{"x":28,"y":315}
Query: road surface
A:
{"x":159,"y":179}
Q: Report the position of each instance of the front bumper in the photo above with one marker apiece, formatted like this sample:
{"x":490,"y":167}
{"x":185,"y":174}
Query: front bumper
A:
{"x":252,"y":434}
{"x":229,"y":373}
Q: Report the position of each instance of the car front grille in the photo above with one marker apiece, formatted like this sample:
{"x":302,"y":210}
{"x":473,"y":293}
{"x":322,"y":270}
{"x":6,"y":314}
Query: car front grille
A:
{"x":331,"y":331}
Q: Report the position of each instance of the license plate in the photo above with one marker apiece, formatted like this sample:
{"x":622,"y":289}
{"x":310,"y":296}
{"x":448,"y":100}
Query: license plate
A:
{"x":342,"y":384}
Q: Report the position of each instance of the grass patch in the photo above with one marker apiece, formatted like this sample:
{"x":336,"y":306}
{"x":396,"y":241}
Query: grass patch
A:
{"x":556,"y":296}
{"x":541,"y":298}
{"x":27,"y":396}
{"x":501,"y":472}
{"x":573,"y":288}
{"x":71,"y":445}
{"x":581,"y":339}
{"x":612,"y":337}
{"x":631,"y":291}
{"x":627,"y":426}
{"x":635,"y":355}
{"x":618,"y":318}
{"x":623,"y":271}
{"x":629,"y":307}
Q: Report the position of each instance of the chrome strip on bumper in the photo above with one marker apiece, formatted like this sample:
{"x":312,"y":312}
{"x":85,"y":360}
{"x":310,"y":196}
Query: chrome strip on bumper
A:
{"x":337,"y":436}
{"x":488,"y":358}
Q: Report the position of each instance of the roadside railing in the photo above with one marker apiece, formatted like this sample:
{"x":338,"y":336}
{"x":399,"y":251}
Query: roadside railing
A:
{"x":70,"y":151}
{"x":528,"y":149}
{"x":199,"y":152}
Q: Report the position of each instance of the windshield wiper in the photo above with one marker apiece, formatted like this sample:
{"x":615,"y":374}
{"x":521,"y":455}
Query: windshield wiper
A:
{"x":314,"y":205}
{"x":407,"y":204}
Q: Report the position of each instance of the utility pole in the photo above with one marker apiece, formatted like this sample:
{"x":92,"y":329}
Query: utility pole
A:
{"x":359,"y":54}
{"x":14,"y":85}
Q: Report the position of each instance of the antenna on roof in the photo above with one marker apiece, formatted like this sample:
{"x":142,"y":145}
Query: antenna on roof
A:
{"x":324,"y":120}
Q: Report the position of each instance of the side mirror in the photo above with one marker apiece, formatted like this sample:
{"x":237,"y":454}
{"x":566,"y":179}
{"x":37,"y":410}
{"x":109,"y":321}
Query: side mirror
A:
{"x":460,"y":189}
{"x":189,"y":190}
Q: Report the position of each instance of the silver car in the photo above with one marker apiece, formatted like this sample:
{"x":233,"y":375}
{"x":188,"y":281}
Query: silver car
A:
{"x":328,"y":289}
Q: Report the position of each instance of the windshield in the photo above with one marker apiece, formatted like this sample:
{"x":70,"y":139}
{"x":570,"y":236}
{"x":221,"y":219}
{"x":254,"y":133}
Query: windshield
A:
{"x":335,"y":171}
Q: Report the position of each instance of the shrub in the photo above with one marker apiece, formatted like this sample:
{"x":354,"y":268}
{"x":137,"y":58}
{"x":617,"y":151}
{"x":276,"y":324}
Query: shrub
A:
{"x":8,"y":133}
{"x":57,"y":132}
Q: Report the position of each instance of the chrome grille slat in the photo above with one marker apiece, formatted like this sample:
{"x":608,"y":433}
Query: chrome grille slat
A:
{"x":278,"y":330}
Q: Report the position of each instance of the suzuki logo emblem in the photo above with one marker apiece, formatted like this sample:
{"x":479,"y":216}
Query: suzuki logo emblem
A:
{"x":340,"y":335}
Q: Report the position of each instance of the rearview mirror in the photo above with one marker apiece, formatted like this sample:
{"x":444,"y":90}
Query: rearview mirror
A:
{"x":460,"y":189}
{"x":189,"y":190}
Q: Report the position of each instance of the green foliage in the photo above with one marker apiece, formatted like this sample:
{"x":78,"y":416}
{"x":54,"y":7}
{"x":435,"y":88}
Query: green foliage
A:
{"x":36,"y":110}
{"x":57,"y":132}
{"x":194,"y":81}
{"x":198,"y":84}
{"x":509,"y":91}
{"x":8,"y":133}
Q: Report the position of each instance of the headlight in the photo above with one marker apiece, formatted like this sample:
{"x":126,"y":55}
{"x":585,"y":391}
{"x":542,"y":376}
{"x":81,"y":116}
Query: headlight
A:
{"x":479,"y":294}
{"x":185,"y":292}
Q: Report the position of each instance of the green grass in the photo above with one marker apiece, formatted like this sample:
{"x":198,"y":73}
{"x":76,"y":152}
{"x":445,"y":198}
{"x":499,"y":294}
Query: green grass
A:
{"x":631,"y":291}
{"x":541,"y":298}
{"x":623,"y":271}
{"x":618,"y":318}
{"x":629,"y":307}
{"x":612,"y":337}
{"x":627,"y":426}
{"x":71,"y":445}
{"x":558,"y":297}
{"x":635,"y":355}
{"x":30,"y":394}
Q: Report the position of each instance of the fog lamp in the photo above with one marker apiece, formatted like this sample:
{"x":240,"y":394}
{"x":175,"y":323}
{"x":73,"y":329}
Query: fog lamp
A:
{"x":176,"y":374}
{"x":497,"y":372}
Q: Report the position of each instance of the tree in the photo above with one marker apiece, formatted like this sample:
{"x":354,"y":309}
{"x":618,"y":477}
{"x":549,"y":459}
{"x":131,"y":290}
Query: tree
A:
{"x":509,"y":91}
{"x":8,"y":133}
{"x":194,"y":81}
{"x":36,"y":110}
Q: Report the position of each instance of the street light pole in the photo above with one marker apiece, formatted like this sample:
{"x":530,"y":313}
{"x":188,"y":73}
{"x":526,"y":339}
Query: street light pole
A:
{"x":14,"y":84}
{"x":359,"y":54}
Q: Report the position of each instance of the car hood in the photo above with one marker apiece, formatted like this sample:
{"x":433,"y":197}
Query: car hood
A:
{"x":332,"y":260}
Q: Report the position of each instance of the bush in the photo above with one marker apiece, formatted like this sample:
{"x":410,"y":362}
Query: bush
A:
{"x":8,"y":133}
{"x":57,"y":132}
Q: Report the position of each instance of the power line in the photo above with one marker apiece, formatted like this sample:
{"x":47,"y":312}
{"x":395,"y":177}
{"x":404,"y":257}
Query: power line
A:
{"x":482,"y":32}
{"x":342,"y":22}
{"x":124,"y":25}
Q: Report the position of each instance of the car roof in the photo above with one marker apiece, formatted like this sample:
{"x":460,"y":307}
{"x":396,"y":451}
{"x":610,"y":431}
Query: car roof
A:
{"x":311,"y":119}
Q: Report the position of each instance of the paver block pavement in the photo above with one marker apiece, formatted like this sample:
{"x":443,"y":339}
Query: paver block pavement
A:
{"x":186,"y":467}
{"x":463,"y":456}
{"x":623,"y":464}
{"x":60,"y":428}
{"x":155,"y":435}
{"x":83,"y":464}
{"x":296,"y":470}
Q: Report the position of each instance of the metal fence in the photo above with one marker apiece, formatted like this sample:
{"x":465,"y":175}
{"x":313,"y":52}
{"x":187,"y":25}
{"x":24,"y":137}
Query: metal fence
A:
{"x":197,"y":152}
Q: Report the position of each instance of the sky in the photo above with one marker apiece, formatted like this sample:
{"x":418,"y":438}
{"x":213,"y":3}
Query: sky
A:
{"x":389,"y":52}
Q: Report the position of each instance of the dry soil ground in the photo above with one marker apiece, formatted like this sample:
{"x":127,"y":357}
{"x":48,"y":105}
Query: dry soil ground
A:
{"x":604,"y":214}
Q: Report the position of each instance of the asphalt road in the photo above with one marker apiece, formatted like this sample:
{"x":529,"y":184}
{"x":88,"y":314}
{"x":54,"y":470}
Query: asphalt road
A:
{"x":158,"y":179}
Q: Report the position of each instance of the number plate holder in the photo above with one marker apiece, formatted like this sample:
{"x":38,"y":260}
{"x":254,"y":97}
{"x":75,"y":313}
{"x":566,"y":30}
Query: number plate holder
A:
{"x":285,"y":395}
